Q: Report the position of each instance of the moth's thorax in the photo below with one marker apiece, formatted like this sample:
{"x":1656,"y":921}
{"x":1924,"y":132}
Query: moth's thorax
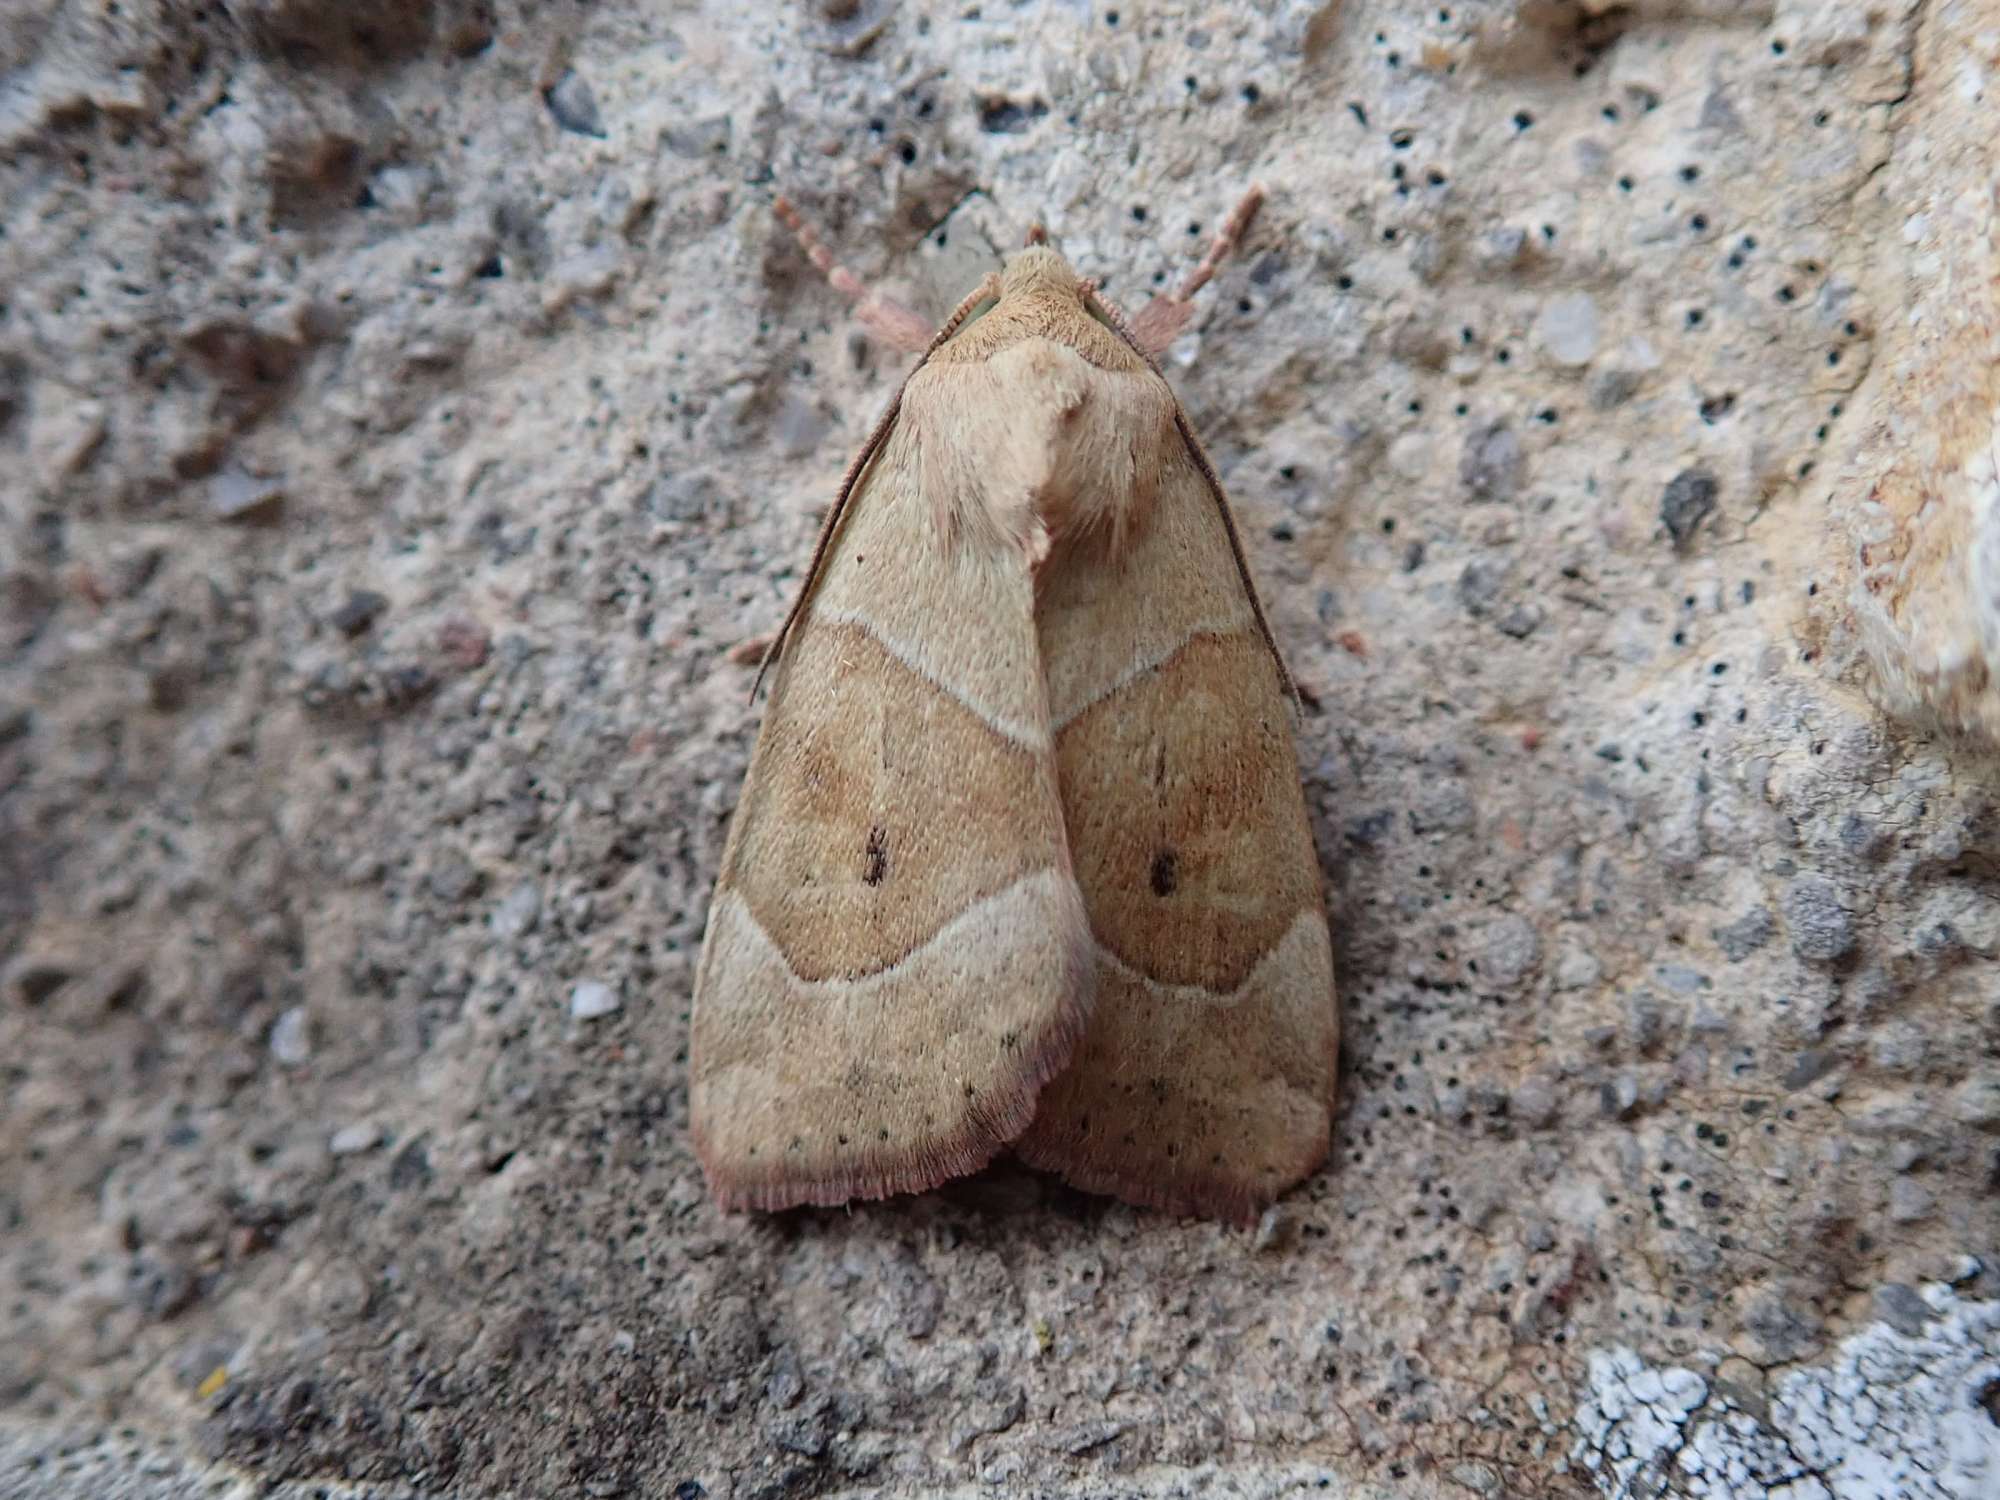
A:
{"x":1038,"y":269}
{"x":1040,"y":445}
{"x":1041,"y":297}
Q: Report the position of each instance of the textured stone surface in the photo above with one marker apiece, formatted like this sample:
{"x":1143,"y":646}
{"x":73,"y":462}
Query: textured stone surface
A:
{"x":405,"y":407}
{"x":1920,"y":494}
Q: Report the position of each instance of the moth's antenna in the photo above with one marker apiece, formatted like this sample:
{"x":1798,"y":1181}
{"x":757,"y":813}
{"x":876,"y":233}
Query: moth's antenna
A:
{"x":882,"y":316}
{"x":1160,"y":321}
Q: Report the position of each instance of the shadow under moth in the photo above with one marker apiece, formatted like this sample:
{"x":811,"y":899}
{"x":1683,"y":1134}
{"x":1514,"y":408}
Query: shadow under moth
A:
{"x":1022,"y":857}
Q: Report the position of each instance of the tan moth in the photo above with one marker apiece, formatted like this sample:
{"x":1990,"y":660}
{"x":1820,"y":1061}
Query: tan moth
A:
{"x":1022,"y":857}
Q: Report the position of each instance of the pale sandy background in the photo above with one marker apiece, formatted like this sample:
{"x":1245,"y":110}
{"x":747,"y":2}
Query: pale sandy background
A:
{"x":404,"y":407}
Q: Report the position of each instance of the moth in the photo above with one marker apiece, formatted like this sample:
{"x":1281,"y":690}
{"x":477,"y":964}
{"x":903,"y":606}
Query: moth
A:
{"x":1022,"y":857}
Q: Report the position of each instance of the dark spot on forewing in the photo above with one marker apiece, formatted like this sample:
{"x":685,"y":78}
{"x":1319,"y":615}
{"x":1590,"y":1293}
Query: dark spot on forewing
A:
{"x":1166,"y":872}
{"x":876,"y":854}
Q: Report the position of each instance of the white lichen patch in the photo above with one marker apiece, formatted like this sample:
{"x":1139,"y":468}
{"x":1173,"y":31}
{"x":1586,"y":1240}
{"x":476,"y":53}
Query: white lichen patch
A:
{"x":1890,"y":1414}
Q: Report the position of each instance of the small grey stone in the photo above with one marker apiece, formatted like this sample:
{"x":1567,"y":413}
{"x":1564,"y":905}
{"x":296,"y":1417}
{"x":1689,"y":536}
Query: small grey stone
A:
{"x":786,"y":1383}
{"x":684,"y":495}
{"x":1610,"y":389}
{"x":410,"y":1167}
{"x":917,"y":1294}
{"x":592,"y":998}
{"x":1540,"y":1237}
{"x":1370,"y":829}
{"x":1479,"y":585}
{"x":1618,"y":1097}
{"x":1502,"y":249}
{"x":700,"y":139}
{"x":454,"y":878}
{"x":799,"y":427}
{"x":1976,"y":1102}
{"x":1476,"y":1477}
{"x":1706,"y":1022}
{"x":587,"y":273}
{"x":1522,"y":621}
{"x":165,"y":1288}
{"x":574,"y":104}
{"x":1686,"y":503}
{"x":1647,"y":1020}
{"x":1567,"y":329}
{"x":1903,"y":1309}
{"x":1533,"y":1104}
{"x":1272,"y":1228}
{"x":1863,"y":839}
{"x":1681,"y":979}
{"x":1489,"y":466}
{"x":352,"y":1140}
{"x":291,"y":1037}
{"x":1718,"y":114}
{"x":1578,"y":969}
{"x":1510,"y":951}
{"x":1898,"y":1047}
{"x":1821,"y":927}
{"x":235,"y":495}
{"x":358,"y":611}
{"x":1444,"y":806}
{"x":809,"y":1435}
{"x":1907,"y":1156}
{"x":1744,"y":936}
{"x":517,"y":912}
{"x":979,"y":1418}
{"x":1909,"y":1201}
{"x":1786,"y":1330}
{"x":1810,"y":1067}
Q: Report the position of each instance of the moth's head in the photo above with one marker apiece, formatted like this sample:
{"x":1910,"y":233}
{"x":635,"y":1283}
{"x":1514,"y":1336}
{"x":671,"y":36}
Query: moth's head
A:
{"x":1039,"y":271}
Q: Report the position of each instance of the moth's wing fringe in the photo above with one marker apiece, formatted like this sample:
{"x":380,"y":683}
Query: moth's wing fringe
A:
{"x":1201,"y":1197}
{"x":990,"y":1131}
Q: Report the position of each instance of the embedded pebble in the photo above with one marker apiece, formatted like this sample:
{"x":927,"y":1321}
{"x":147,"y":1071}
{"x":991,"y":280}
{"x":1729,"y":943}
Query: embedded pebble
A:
{"x":358,"y":611}
{"x":291,"y":1037}
{"x":1744,"y":936}
{"x":1577,"y":969}
{"x":1820,"y":925}
{"x":518,"y":912}
{"x":574,"y":104}
{"x":1909,"y":1201}
{"x":592,"y":998}
{"x":352,"y":1140}
{"x":1687,"y":502}
{"x":1510,"y":951}
{"x":235,"y":495}
{"x":1976,"y":1102}
{"x":1491,"y":463}
{"x":1903,"y":1308}
{"x":1567,"y":329}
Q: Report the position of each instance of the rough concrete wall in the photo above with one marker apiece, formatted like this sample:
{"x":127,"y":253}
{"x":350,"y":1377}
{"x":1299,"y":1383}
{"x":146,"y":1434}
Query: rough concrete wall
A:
{"x":1920,"y":494}
{"x":404,"y":407}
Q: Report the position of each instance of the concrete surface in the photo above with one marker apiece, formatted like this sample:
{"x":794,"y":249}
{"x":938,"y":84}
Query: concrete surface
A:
{"x":405,"y":406}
